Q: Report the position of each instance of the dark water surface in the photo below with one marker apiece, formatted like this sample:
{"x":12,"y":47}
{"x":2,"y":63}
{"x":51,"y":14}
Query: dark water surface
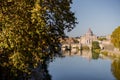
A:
{"x":80,"y":66}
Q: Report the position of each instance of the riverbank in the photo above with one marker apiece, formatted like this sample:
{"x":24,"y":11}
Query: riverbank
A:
{"x":111,"y":54}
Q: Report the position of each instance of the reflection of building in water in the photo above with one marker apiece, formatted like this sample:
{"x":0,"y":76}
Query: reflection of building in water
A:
{"x":84,"y":54}
{"x":88,"y":38}
{"x":87,"y":55}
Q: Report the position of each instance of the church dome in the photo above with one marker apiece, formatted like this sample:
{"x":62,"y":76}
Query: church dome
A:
{"x":89,"y":32}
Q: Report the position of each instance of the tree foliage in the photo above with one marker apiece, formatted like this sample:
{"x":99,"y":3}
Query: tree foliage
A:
{"x":30,"y":31}
{"x":115,"y":37}
{"x":95,"y":45}
{"x":95,"y":48}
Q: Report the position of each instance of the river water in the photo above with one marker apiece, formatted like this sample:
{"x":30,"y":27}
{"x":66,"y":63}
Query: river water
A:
{"x":81,"y":66}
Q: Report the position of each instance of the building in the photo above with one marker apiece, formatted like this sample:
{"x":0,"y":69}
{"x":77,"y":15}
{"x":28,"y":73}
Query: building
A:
{"x":88,"y":38}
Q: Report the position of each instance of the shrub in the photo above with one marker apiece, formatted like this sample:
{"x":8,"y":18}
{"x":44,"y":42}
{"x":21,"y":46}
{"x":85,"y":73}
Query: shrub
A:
{"x":95,"y":45}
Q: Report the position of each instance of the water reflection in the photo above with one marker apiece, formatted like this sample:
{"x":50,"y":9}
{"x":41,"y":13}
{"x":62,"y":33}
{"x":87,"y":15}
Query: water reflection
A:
{"x":85,"y":54}
{"x":95,"y":55}
{"x":79,"y":65}
{"x":82,"y":65}
{"x":72,"y":65}
{"x":115,"y":68}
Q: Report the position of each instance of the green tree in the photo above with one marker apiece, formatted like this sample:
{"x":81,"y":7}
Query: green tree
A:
{"x":115,"y":37}
{"x":30,"y":31}
{"x":95,"y":47}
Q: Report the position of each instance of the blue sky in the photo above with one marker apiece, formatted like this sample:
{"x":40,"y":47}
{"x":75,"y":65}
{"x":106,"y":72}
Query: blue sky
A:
{"x":102,"y":16}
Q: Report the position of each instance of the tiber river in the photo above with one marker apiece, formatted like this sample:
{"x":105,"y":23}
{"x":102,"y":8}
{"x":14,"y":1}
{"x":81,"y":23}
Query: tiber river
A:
{"x":84,"y":66}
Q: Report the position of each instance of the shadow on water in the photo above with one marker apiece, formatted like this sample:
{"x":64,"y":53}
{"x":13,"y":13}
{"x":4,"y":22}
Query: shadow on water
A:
{"x":39,"y":73}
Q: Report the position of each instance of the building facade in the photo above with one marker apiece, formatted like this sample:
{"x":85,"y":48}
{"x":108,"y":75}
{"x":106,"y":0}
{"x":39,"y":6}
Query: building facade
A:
{"x":88,"y":38}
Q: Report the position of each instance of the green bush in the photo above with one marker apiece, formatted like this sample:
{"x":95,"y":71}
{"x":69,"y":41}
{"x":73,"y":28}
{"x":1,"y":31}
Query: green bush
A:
{"x":95,"y":45}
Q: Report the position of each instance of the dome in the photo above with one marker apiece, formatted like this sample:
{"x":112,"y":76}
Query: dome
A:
{"x":89,"y":32}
